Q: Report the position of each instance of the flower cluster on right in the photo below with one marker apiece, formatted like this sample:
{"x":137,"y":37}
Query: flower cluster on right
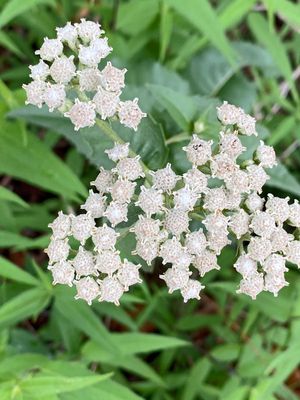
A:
{"x":221,"y":190}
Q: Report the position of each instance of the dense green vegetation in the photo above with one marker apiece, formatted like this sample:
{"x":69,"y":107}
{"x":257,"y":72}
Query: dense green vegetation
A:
{"x":182,"y":57}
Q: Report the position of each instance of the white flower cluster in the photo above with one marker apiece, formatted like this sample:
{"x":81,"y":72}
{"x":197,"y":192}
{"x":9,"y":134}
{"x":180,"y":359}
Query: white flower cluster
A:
{"x":70,"y":64}
{"x":97,"y":270}
{"x":219,"y":190}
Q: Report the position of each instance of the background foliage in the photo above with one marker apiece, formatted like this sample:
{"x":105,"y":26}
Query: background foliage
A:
{"x":183,"y":57}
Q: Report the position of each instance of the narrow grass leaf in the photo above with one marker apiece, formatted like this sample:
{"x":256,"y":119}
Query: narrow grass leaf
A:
{"x":10,"y":271}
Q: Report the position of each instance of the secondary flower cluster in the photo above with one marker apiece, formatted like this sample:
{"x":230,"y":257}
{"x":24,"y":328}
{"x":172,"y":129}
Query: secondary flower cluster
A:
{"x":221,"y":191}
{"x":68,"y":78}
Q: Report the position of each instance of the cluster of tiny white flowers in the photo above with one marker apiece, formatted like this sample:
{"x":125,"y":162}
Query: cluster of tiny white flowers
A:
{"x":57,"y":76}
{"x":219,"y":190}
{"x":97,"y":270}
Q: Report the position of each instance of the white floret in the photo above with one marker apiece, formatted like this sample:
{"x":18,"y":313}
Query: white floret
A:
{"x":84,"y":263}
{"x":176,"y":278}
{"x":177,"y":221}
{"x":222,"y":166}
{"x":252,"y":286}
{"x":108,"y":262}
{"x":257,"y":177}
{"x":185,"y":198}
{"x":104,"y":238}
{"x":215,"y":199}
{"x":231,"y":145}
{"x":88,"y":30}
{"x":229,"y":114}
{"x":150,"y":200}
{"x":294,"y":215}
{"x":122,"y":190}
{"x":128,"y":274}
{"x":111,"y":290}
{"x":116,"y":213}
{"x":112,"y":78}
{"x":60,"y":226}
{"x":266,"y":155}
{"x":206,"y":262}
{"x":191,"y":290}
{"x":89,"y":79}
{"x":146,"y":228}
{"x":118,"y":152}
{"x":82,"y":114}
{"x":259,"y":248}
{"x":198,"y":151}
{"x":106,"y":103}
{"x":62,"y":273}
{"x":104,"y":181}
{"x":63,"y":69}
{"x":51,"y":49}
{"x":130,"y":168}
{"x":245,"y":266}
{"x":263,"y":224}
{"x":54,"y":96}
{"x":35,"y":92}
{"x":293,"y":252}
{"x":278,"y":208}
{"x":58,"y":250}
{"x":130,"y":114}
{"x":196,"y":242}
{"x":68,"y":34}
{"x":165,"y":179}
{"x":82,"y":226}
{"x":94,"y":204}
{"x":87,"y":289}
{"x":39,"y":71}
{"x":196,"y":180}
{"x":147,"y":250}
{"x":254,"y":202}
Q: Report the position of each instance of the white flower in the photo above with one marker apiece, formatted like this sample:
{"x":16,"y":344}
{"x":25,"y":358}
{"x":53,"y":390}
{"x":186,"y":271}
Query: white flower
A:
{"x":104,"y":181}
{"x":246,"y":125}
{"x":184,"y":260}
{"x":106,"y":103}
{"x":122,"y":190}
{"x":294,"y":216}
{"x":89,"y":56}
{"x":222,"y":166}
{"x":176,"y":278}
{"x":245,"y":266}
{"x":68,"y":34}
{"x":216,"y":223}
{"x":170,"y":251}
{"x":198,"y":151}
{"x":60,"y":226}
{"x":274,"y":264}
{"x":88,"y":30}
{"x":237,"y":182}
{"x":87,"y":289}
{"x":177,"y":221}
{"x":206,"y":262}
{"x":263,"y":224}
{"x":84,"y":263}
{"x":280,"y":239}
{"x":254,"y":202}
{"x":229,"y":114}
{"x":89,"y":79}
{"x":63,"y":69}
{"x":58,"y":250}
{"x":196,"y":180}
{"x":130,"y":168}
{"x":257,"y":177}
{"x":266,"y":155}
{"x":191,"y":290}
{"x":101,"y":47}
{"x":215,"y":199}
{"x":259,"y":248}
{"x":252,"y":286}
{"x":82,"y":114}
{"x":128,"y":274}
{"x":130,"y":113}
{"x":118,"y":152}
{"x":54,"y":96}
{"x":111,"y":290}
{"x":231,"y":145}
{"x":81,"y":227}
{"x":51,"y":49}
{"x":293,"y":252}
{"x":278,"y":208}
{"x":62,"y":273}
{"x":104,"y":238}
{"x":108,"y":262}
{"x":274,"y":283}
{"x":39,"y":71}
{"x":147,"y":250}
{"x":95,"y":204}
{"x":113,"y":78}
{"x":233,"y":200}
{"x":146,"y":228}
{"x":35,"y":92}
{"x":217,"y":242}
{"x":164,"y":179}
{"x":150,"y":200}
{"x":185,"y":198}
{"x":196,"y":242}
{"x":116,"y":213}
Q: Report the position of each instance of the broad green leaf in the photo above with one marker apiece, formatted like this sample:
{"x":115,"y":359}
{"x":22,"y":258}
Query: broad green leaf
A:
{"x":33,"y":162}
{"x":203,"y":17}
{"x":273,"y":44}
{"x":10,"y":271}
{"x":197,"y":375}
{"x":83,"y":318}
{"x":13,"y":8}
{"x":17,"y":364}
{"x":181,"y":107}
{"x":282,"y":179}
{"x":148,"y":142}
{"x":10,"y":196}
{"x":25,"y":305}
{"x":226,"y":352}
{"x":135,"y":16}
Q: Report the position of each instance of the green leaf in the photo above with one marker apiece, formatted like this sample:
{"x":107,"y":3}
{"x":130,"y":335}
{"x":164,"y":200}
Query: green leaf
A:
{"x":83,"y":318}
{"x":226,"y":352}
{"x":10,"y":271}
{"x":7,"y":195}
{"x":282,"y":179}
{"x":203,"y":17}
{"x":272,"y":42}
{"x":19,"y":242}
{"x":13,"y":365}
{"x":148,"y":142}
{"x":196,"y":376}
{"x":13,"y":8}
{"x":288,"y":11}
{"x":33,"y":162}
{"x":182,"y":108}
{"x":25,"y":305}
{"x":7,"y":42}
{"x":39,"y":386}
{"x":136,"y":15}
